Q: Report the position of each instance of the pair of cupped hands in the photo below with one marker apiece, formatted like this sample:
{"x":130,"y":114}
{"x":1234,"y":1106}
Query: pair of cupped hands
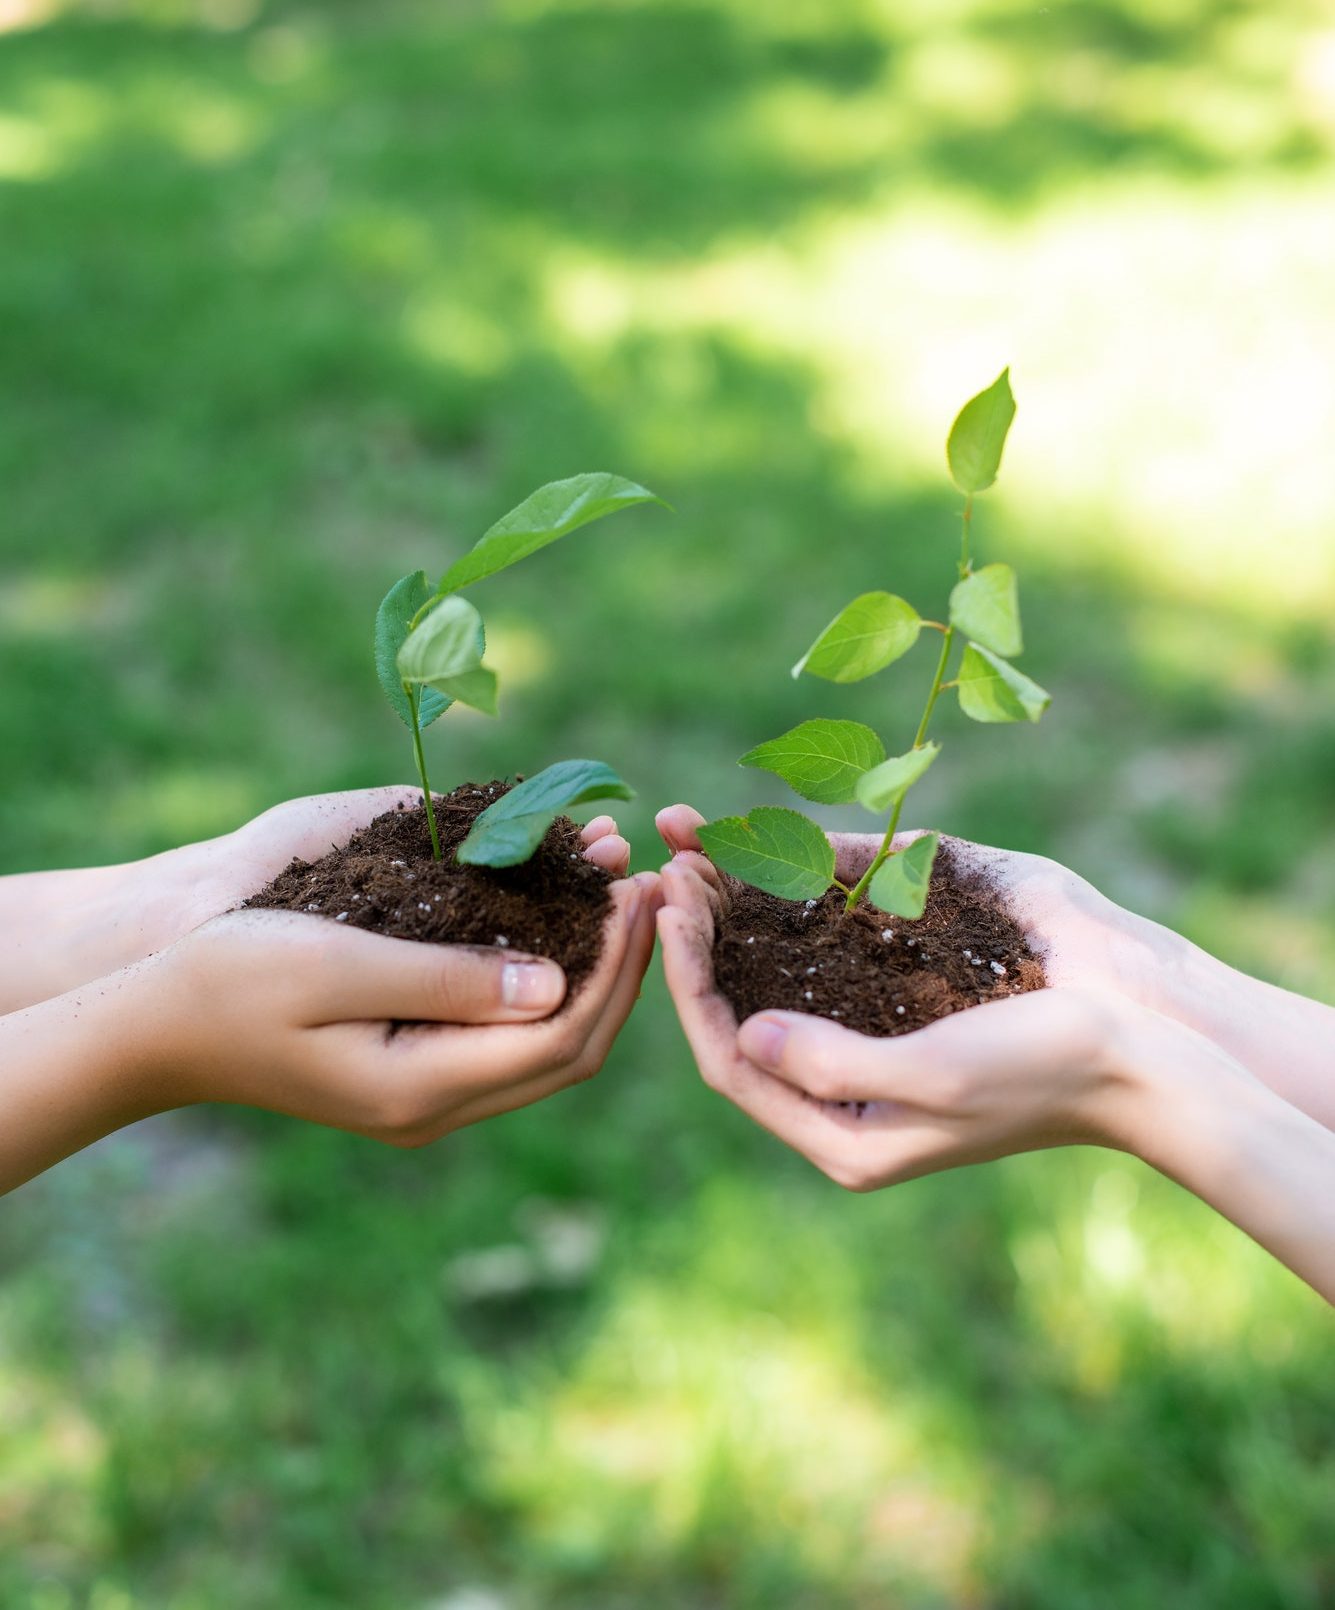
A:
{"x":292,"y":1013}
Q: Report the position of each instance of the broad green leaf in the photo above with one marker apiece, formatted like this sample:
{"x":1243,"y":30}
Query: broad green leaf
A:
{"x":476,"y":688}
{"x":552,"y":511}
{"x":901,"y":883}
{"x":986,"y":608}
{"x":880,"y":788}
{"x":397,"y":609}
{"x":991,"y":689}
{"x":780,"y":851}
{"x":973,"y":448}
{"x":509,"y":831}
{"x":863,"y":638}
{"x":821,"y":760}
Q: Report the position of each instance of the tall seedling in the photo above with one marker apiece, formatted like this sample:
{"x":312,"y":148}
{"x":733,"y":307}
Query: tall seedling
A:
{"x":837,"y":762}
{"x":429,"y":651}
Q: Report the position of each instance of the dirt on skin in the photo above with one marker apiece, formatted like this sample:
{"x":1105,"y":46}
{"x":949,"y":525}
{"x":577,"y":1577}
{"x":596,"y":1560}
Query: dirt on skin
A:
{"x":871,"y":972}
{"x":386,"y":879}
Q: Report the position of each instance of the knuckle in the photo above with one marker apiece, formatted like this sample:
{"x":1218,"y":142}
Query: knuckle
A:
{"x":851,"y":1174}
{"x":406,"y":1116}
{"x":825,"y":1076}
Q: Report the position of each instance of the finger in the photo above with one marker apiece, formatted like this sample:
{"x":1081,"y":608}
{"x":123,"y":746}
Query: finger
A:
{"x":691,"y":880}
{"x":677,"y":826}
{"x":820,"y":1059}
{"x":360,"y":975}
{"x":1023,"y":1041}
{"x":620,"y":1003}
{"x":474,"y":1060}
{"x":611,"y":852}
{"x":597,"y":829}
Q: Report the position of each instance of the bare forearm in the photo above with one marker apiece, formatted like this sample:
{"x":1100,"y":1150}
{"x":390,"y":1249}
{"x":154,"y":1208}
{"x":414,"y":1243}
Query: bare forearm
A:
{"x":1285,"y":1040}
{"x":1231,"y":1140}
{"x":70,"y":1072}
{"x":62,"y":929}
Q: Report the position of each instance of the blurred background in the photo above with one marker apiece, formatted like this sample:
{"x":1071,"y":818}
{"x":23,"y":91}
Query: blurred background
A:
{"x":296,"y":298}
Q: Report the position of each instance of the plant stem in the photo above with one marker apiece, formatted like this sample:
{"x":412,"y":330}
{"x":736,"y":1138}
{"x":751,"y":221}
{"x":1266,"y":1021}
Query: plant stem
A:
{"x":413,"y":695}
{"x":938,"y":682}
{"x":883,"y":854}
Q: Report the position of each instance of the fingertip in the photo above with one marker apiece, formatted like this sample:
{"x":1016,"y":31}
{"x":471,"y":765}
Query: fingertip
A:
{"x":597,"y":829}
{"x":610,"y":852}
{"x":677,"y":826}
{"x":533,"y":987}
{"x":762,"y":1039}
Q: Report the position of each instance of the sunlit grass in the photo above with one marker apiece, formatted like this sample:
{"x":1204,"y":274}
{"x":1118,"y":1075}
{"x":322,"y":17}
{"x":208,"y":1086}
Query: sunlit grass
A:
{"x":300,"y":301}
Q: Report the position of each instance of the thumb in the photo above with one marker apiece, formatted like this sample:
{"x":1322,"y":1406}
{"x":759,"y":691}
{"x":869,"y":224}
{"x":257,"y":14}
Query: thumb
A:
{"x":370,"y":976}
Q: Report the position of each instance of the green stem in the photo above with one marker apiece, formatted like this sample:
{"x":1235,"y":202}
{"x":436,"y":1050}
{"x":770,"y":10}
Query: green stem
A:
{"x":883,"y":854}
{"x":413,"y":695}
{"x":938,"y":682}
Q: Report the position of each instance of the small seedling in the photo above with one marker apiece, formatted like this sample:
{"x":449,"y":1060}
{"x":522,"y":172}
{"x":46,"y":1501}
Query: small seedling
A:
{"x":837,"y":762}
{"x":429,"y":649}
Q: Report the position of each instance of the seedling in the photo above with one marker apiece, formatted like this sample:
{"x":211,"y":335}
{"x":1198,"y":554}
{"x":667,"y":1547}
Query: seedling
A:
{"x":837,"y":762}
{"x":429,"y":649}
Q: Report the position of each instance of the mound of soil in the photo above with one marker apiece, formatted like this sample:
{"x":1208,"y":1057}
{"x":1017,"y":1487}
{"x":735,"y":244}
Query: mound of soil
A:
{"x":874,"y":973}
{"x":385,"y":879}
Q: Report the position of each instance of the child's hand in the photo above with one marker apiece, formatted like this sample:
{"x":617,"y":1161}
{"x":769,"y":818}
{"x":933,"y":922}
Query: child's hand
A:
{"x":60,"y":929}
{"x":396,"y":1040}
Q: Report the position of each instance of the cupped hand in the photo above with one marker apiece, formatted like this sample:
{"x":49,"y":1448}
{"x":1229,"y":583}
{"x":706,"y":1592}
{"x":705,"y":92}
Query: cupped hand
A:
{"x":390,"y":1038}
{"x":81,"y":925}
{"x":1042,"y":1069}
{"x":1085,"y":940}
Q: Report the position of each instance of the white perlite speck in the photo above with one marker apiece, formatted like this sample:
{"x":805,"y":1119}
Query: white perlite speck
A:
{"x":900,"y":1010}
{"x":998,"y":969}
{"x":976,"y":962}
{"x":502,"y":939}
{"x":342,"y":917}
{"x":889,"y":933}
{"x":806,"y":995}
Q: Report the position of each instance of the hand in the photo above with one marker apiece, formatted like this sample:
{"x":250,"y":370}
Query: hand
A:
{"x":61,"y":929}
{"x":399,"y":1041}
{"x":1091,"y":945}
{"x":1069,"y":1064}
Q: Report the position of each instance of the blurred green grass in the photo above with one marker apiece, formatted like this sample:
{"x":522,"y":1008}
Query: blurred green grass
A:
{"x":295,"y":300}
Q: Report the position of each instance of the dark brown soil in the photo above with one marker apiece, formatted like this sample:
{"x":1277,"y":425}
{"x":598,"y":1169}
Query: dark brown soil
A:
{"x":385,"y":879}
{"x":798,"y":957}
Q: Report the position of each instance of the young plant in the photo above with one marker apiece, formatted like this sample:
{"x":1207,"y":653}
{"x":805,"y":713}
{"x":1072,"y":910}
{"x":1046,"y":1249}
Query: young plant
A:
{"x":837,"y":762}
{"x":429,"y":649}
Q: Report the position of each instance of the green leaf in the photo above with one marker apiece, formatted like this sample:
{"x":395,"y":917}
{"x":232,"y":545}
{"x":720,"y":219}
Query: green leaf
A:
{"x":444,"y":652}
{"x":397,"y":609}
{"x":509,"y":831}
{"x":986,"y":608}
{"x":901,"y":883}
{"x":863,"y":638}
{"x":780,"y":851}
{"x":880,"y":788}
{"x":552,"y":511}
{"x":991,"y":689}
{"x":821,"y":760}
{"x":973,"y":449}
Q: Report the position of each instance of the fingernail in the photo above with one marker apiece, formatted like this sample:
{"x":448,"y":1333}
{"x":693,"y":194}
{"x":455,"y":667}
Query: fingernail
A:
{"x":531,"y":986}
{"x":762,"y":1041}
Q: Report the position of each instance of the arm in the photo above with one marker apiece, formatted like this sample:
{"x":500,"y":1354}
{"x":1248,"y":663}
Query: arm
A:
{"x":400,"y":1041}
{"x":61,"y":929}
{"x":1068,"y":1065}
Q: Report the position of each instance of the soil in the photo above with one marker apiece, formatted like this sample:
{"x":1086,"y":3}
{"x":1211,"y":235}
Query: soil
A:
{"x":386,"y":879}
{"x":877,"y":974}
